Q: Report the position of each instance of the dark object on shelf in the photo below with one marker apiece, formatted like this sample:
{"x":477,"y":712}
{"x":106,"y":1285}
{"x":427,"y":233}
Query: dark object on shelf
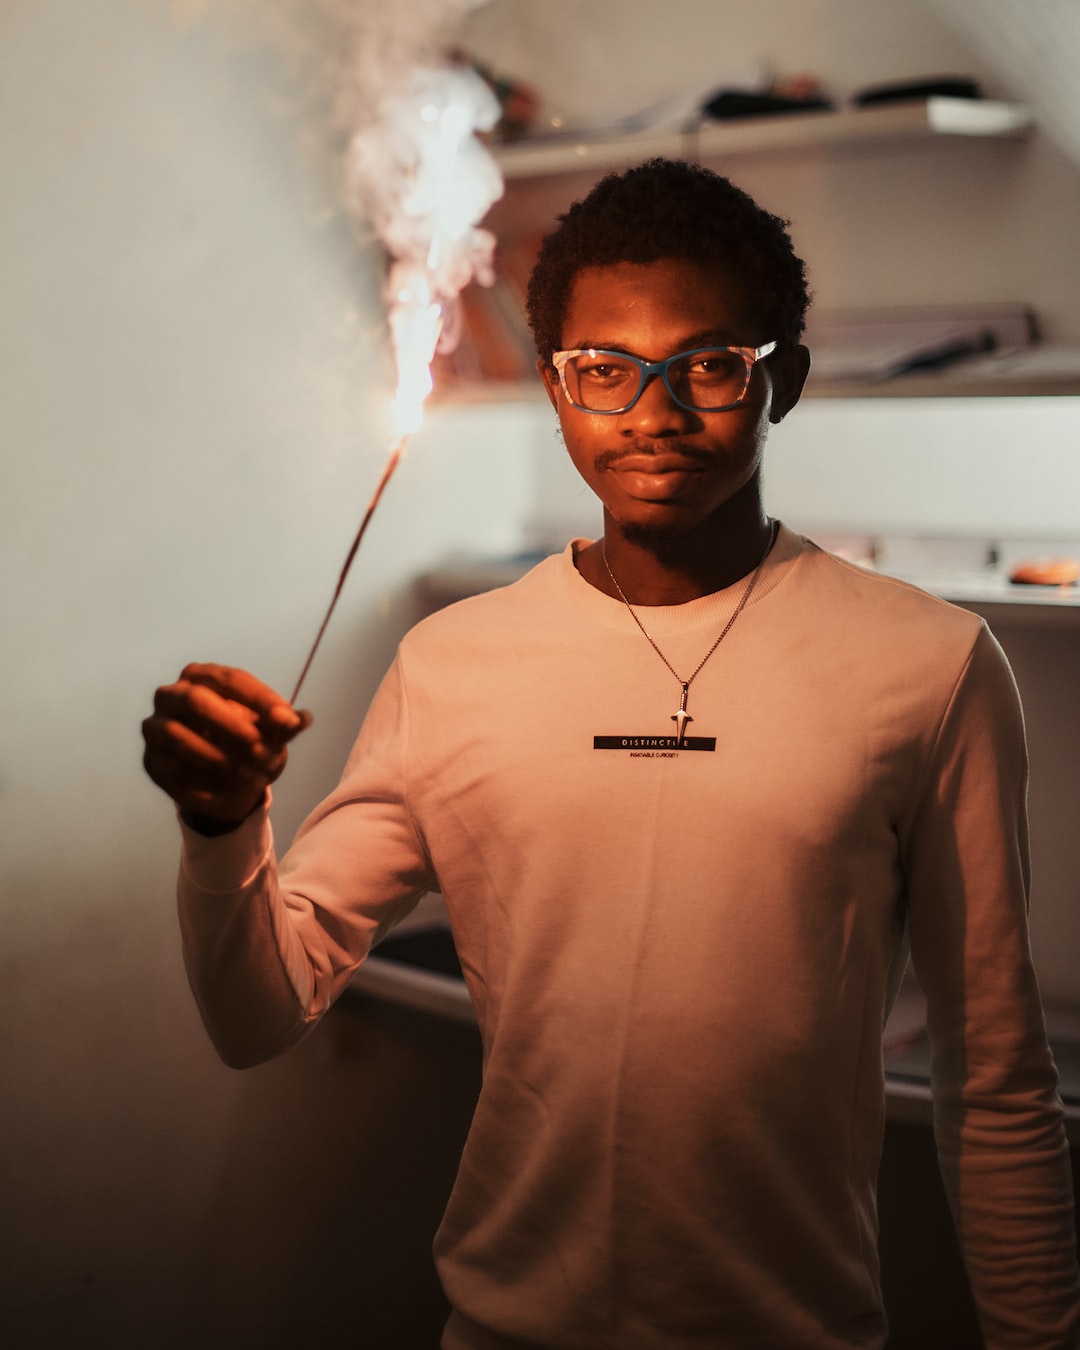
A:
{"x":731,"y":104}
{"x":914,"y":91}
{"x":879,"y":345}
{"x":948,"y":354}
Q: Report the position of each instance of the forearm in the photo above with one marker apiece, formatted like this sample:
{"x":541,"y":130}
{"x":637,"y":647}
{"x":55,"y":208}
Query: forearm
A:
{"x":1005,"y":1164}
{"x":249,"y":973}
{"x":269,"y":948}
{"x":998,"y":1120}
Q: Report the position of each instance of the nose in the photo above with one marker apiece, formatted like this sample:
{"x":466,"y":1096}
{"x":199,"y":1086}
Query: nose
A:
{"x":656,"y":413}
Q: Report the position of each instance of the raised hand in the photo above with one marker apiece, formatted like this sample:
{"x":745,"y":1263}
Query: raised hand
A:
{"x":216,"y":740}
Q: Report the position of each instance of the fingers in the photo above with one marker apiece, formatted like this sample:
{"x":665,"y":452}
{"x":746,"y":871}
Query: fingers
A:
{"x":197,"y":777}
{"x":202,"y":752}
{"x":275,"y":715}
{"x":208,"y":726}
{"x":216,"y":740}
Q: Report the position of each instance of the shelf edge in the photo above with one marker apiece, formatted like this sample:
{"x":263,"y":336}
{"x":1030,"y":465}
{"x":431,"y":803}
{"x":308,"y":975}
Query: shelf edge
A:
{"x":930,"y":118}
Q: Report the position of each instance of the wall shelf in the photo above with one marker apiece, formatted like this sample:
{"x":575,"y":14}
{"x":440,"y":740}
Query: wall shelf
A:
{"x":959,"y":382}
{"x":852,"y":128}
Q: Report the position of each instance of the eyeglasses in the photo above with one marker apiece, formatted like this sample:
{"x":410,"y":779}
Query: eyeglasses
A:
{"x":708,"y":379}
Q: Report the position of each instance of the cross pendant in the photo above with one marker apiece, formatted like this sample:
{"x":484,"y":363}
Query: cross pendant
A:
{"x":682,"y":717}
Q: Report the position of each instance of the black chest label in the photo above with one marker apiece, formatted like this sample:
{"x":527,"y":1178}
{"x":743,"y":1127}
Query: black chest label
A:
{"x":654,"y":745}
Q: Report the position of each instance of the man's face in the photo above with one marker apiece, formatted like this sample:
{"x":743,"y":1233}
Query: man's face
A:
{"x":660,"y":466}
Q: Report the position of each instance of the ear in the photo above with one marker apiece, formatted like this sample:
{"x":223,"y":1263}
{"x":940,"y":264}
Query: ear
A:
{"x":550,"y":376}
{"x":789,"y":371}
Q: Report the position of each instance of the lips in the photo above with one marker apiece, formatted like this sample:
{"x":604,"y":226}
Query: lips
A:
{"x":661,"y":453}
{"x":663,"y":461}
{"x":656,"y":477}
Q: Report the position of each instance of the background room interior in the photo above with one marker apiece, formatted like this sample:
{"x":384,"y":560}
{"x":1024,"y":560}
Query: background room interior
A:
{"x":196,"y":378}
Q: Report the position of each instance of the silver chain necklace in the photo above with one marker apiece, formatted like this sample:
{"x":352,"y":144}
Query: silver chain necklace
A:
{"x":681,"y":717}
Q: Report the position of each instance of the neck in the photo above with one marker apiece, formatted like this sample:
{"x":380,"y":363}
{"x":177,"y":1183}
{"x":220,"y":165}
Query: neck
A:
{"x":661,"y":570}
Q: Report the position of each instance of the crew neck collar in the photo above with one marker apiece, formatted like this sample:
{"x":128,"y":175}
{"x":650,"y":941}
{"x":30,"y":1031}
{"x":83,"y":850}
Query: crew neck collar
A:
{"x":707,"y":610}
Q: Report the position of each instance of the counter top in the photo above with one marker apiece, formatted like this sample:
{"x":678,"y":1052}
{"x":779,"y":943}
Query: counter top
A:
{"x":907,"y":1059}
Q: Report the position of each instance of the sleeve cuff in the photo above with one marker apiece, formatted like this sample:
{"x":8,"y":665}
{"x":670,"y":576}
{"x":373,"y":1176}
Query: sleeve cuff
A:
{"x":227,"y":862}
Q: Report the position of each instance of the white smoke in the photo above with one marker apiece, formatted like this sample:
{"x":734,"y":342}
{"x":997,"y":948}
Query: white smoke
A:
{"x":417,"y":173}
{"x":418,"y":176}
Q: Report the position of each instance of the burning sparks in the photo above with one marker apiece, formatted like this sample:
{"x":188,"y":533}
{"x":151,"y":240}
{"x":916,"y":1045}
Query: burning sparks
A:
{"x":416,"y":320}
{"x":417,"y":173}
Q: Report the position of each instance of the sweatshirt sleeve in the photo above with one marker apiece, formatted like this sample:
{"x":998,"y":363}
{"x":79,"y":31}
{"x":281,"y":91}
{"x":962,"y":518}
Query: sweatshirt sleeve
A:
{"x":268,"y":947}
{"x":997,"y":1116}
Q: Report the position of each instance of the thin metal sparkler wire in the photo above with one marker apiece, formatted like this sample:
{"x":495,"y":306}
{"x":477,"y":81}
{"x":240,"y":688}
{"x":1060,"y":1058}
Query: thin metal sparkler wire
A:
{"x":391,"y":464}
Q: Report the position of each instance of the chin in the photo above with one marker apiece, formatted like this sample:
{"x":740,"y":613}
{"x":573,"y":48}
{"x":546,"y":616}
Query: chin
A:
{"x":657,"y":536}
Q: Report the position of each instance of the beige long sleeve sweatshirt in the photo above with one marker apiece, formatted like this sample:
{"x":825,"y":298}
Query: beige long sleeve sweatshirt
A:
{"x":681,"y":958}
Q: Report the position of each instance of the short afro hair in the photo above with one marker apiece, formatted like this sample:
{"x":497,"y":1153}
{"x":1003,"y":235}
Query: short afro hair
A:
{"x":661,"y":209}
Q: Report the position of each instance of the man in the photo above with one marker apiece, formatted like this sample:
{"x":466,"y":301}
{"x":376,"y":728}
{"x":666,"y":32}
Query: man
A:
{"x":688,"y":790}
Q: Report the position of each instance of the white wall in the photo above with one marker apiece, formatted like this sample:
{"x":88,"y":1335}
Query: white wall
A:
{"x":194,"y":377}
{"x":1036,"y":52}
{"x":990,"y":467}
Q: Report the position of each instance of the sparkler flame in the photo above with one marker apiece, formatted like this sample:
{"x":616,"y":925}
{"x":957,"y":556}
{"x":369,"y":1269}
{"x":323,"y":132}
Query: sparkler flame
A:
{"x":417,"y":172}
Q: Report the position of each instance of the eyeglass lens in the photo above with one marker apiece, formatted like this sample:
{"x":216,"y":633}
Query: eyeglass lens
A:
{"x":706,"y":380}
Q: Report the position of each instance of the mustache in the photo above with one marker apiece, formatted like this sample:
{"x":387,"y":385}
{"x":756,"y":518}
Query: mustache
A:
{"x":694,"y":454}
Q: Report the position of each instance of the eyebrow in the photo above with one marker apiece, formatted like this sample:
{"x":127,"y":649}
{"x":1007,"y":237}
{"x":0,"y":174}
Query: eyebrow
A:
{"x":708,"y":337}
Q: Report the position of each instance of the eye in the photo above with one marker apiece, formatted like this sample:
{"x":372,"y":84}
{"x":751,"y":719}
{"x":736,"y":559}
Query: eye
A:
{"x":716,"y":365}
{"x":602,"y":372}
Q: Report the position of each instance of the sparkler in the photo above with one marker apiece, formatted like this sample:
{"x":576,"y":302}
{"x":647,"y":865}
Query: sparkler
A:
{"x":419,"y":175}
{"x":391,"y":464}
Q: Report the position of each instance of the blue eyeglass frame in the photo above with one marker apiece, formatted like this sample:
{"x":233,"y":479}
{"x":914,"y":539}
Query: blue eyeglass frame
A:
{"x":651,"y":369}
